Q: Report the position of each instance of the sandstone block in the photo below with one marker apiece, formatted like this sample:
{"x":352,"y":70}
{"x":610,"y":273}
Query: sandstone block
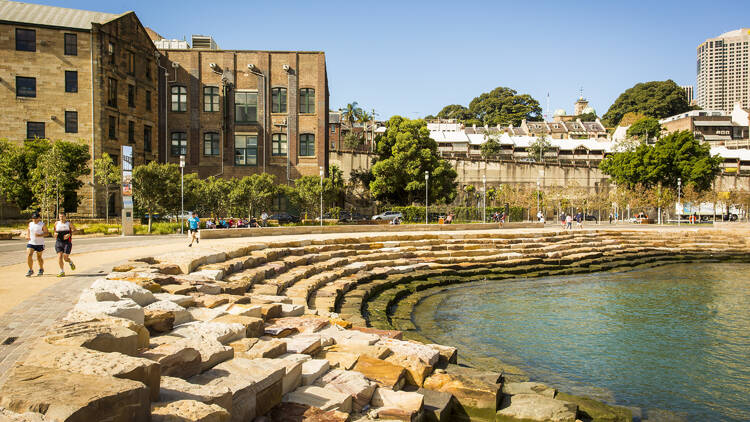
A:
{"x":264,"y":347}
{"x":295,"y":412}
{"x":222,"y":332}
{"x":210,"y":299}
{"x":401,"y":405}
{"x":289,"y":310}
{"x":513,"y":388}
{"x":211,"y":351}
{"x":188,"y":410}
{"x":313,"y":369}
{"x":533,"y":407}
{"x":293,"y":376}
{"x":270,"y":310}
{"x":174,"y":389}
{"x":267,"y":377}
{"x":158,"y":321}
{"x":474,"y":396}
{"x":305,"y":344}
{"x":253,"y":326}
{"x":125,"y":308}
{"x":342,"y":360}
{"x":241,"y":387}
{"x":181,"y":315}
{"x":166,"y":268}
{"x":204,"y":314}
{"x":438,"y":406}
{"x":384,"y":373}
{"x":115,"y":290}
{"x":321,"y":398}
{"x":377,"y":352}
{"x":425,"y":353}
{"x":243,"y":309}
{"x":178,"y":289}
{"x":416,"y":369}
{"x":183,"y":300}
{"x":101,"y":335}
{"x":448,"y":354}
{"x":349,"y":382}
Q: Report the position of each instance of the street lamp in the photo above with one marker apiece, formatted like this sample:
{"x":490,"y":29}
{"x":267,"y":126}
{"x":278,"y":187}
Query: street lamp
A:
{"x":321,"y":196}
{"x":538,"y":186}
{"x":484,"y":198}
{"x":182,"y":193}
{"x":679,"y":193}
{"x":426,"y":194}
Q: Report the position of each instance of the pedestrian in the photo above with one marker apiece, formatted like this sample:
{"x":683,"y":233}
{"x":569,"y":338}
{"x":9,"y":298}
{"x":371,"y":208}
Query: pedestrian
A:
{"x":64,"y":243}
{"x":562,"y":220}
{"x":540,"y":216}
{"x":35,"y":234}
{"x":610,"y":218}
{"x":193,"y":226}
{"x":569,"y":222}
{"x":264,"y":218}
{"x":579,"y":220}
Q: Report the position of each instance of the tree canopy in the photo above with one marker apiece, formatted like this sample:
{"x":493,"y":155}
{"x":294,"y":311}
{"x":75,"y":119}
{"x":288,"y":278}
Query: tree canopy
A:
{"x":677,"y":155}
{"x":658,"y":99}
{"x":454,"y":111}
{"x":405,"y":152}
{"x":645,"y":128}
{"x":501,"y":106}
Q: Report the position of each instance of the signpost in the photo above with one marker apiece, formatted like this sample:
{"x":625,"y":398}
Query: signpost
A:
{"x":182,"y":192}
{"x":127,"y":190}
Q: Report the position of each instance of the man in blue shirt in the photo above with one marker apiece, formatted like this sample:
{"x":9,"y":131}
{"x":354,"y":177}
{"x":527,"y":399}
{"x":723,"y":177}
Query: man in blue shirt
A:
{"x":193,"y":225}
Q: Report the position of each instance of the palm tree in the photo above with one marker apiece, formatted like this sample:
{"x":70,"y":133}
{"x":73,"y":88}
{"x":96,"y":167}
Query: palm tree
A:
{"x":364,"y":117}
{"x":351,"y":113}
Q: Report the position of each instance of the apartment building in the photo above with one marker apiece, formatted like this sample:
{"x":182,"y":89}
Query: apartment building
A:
{"x":78,"y":76}
{"x":233,"y":113}
{"x":723,"y":71}
{"x":715,"y":127}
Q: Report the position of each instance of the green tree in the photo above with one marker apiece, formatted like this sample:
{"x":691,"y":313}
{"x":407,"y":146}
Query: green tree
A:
{"x":156,"y":188}
{"x":307,"y":195}
{"x":353,"y":141}
{"x":107,"y":175}
{"x":538,"y":148}
{"x":351,"y":113}
{"x":253,"y":194}
{"x":645,"y":129}
{"x":658,"y":99}
{"x":503,"y":106}
{"x":490,"y":148}
{"x":47,"y":180}
{"x":587,"y":117}
{"x":14,"y":175}
{"x":406,"y":151}
{"x":455,"y":111}
{"x":631,"y":117}
{"x":677,"y":155}
{"x":214,"y":196}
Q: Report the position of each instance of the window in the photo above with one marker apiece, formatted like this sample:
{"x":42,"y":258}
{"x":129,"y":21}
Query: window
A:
{"x":333,"y":128}
{"x":245,"y":150}
{"x":25,"y":39}
{"x":306,"y":145}
{"x":179,"y":98}
{"x":307,"y":101}
{"x":148,"y":100}
{"x":71,"y":122}
{"x":112,"y":93}
{"x":71,"y":81}
{"x":147,"y":138}
{"x":131,"y":63}
{"x":71,"y":44}
{"x":210,"y":98}
{"x":179,"y":144}
{"x":34,"y":130}
{"x":211,"y":143}
{"x":278,"y":100}
{"x":278,"y":144}
{"x":131,"y":132}
{"x":246,"y":107}
{"x":148,"y":70}
{"x":131,"y":95}
{"x":112,"y":127}
{"x":25,"y":87}
{"x":111,"y":52}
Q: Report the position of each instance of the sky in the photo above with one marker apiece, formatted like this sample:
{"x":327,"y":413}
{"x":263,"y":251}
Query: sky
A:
{"x":413,"y":57}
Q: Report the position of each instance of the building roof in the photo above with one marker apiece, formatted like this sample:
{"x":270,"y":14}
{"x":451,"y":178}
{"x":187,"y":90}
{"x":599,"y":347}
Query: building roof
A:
{"x":37,"y":14}
{"x":735,"y":33}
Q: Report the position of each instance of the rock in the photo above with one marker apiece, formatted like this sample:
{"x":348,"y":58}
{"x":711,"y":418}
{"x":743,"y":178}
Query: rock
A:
{"x":416,"y":369}
{"x":384,"y":373}
{"x":181,"y":315}
{"x":125,"y":308}
{"x":341,"y":360}
{"x":533,"y":407}
{"x":377,"y":352}
{"x":165,"y":268}
{"x":349,"y":382}
{"x":101,"y":335}
{"x":296,"y":412}
{"x":438,"y":406}
{"x":313,"y":369}
{"x":475,"y":397}
{"x":91,"y":362}
{"x":266,"y":374}
{"x":349,"y":337}
{"x":293,"y":376}
{"x":321,"y":398}
{"x":222,"y":332}
{"x":211,"y":351}
{"x":401,"y":405}
{"x":253,"y":326}
{"x":188,"y":410}
{"x":448,"y":354}
{"x":176,"y":360}
{"x":265,"y":347}
{"x":289,"y":310}
{"x":71,"y":397}
{"x":241,"y":387}
{"x":179,"y":289}
{"x":394,"y":334}
{"x":158,"y":321}
{"x":305,"y":344}
{"x":205,"y":314}
{"x":590,"y":409}
{"x":306,"y":324}
{"x":213,"y":274}
{"x":426,"y":354}
{"x":114,"y":290}
{"x":513,"y":388}
{"x":270,"y":310}
{"x":8,"y":416}
{"x":122,"y":268}
{"x":183,"y":300}
{"x":266,"y":299}
{"x":174,"y":389}
{"x":210,"y":299}
{"x":243,"y":309}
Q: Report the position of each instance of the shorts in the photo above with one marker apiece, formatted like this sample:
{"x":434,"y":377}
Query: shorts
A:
{"x":63,"y":246}
{"x":191,"y":231}
{"x":38,"y":248}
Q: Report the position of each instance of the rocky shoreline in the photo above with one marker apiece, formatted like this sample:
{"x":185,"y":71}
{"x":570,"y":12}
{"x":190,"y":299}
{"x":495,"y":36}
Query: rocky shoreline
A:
{"x":313,"y":330}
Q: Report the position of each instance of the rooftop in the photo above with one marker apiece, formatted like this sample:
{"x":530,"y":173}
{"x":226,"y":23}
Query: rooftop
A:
{"x":37,"y":14}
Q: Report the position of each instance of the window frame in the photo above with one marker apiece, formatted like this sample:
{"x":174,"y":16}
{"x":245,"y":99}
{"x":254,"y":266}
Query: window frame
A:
{"x":307,"y":137}
{"x":70,"y":48}
{"x":27,"y":79}
{"x":71,"y":84}
{"x":147,"y":134}
{"x":211,"y":93}
{"x":112,"y":127}
{"x":181,"y":147}
{"x":71,"y":118}
{"x":131,"y":95}
{"x":245,"y":150}
{"x":275,"y":147}
{"x":304,"y":106}
{"x":181,"y":96}
{"x":131,"y":132}
{"x":131,"y":63}
{"x":237,"y":106}
{"x":276,"y":100}
{"x":28,"y":130}
{"x":212,"y":139}
{"x":148,"y":100}
{"x":112,"y":92}
{"x":27,"y":44}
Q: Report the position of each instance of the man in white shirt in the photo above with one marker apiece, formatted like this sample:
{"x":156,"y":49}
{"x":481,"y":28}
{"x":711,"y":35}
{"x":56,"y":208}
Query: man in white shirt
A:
{"x":35,"y":233}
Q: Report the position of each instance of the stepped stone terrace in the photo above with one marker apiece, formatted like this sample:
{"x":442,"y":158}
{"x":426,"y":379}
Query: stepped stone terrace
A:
{"x":314,"y":330}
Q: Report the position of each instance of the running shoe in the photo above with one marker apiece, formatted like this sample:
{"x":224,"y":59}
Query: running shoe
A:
{"x":29,"y":273}
{"x":40,"y":273}
{"x":61,"y":274}
{"x":72,"y":266}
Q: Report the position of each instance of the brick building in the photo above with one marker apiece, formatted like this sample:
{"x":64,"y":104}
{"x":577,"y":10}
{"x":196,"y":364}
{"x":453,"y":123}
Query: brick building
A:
{"x":715,"y":127}
{"x":239,"y":112}
{"x":78,"y":76}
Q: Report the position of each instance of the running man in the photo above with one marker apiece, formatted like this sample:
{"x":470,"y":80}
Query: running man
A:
{"x":64,"y":243}
{"x":35,"y":234}
{"x":193,"y":226}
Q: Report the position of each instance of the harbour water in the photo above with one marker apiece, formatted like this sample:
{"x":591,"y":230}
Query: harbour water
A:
{"x":671,"y":342}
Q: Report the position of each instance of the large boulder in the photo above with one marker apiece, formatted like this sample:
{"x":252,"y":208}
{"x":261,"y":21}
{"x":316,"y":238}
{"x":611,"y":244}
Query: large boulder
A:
{"x":476,"y":398}
{"x":384,"y":373}
{"x":321,"y":398}
{"x":296,"y":412}
{"x":533,"y":408}
{"x":101,"y":335}
{"x":174,"y":389}
{"x":224,"y":333}
{"x":401,"y":405}
{"x":513,"y":388}
{"x":125,"y":308}
{"x":71,"y":397}
{"x":349,"y":382}
{"x":175,"y":359}
{"x":114,"y":290}
{"x":180,"y":314}
{"x":590,"y":409}
{"x":212,"y":352}
{"x":188,"y":410}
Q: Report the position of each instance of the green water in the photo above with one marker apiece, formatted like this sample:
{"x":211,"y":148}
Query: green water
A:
{"x":672,"y":340}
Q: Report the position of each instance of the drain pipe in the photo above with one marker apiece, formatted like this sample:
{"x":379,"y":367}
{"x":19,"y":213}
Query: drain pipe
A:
{"x":93,"y":133}
{"x":166,"y":104}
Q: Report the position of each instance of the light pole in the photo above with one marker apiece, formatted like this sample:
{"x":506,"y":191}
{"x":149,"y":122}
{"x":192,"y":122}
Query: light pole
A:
{"x":538,"y":186}
{"x":679,"y":193}
{"x":321,"y":196}
{"x":426,"y":194}
{"x":484,"y":198}
{"x":182,"y":193}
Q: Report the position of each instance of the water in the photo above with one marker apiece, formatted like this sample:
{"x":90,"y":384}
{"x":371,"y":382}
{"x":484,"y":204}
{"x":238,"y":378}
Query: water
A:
{"x":674,"y":338}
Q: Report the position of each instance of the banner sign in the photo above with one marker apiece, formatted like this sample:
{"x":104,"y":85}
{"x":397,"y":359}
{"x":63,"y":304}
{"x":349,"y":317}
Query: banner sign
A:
{"x":127,"y":176}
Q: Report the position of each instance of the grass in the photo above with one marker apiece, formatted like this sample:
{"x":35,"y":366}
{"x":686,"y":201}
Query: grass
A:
{"x":158,"y":228}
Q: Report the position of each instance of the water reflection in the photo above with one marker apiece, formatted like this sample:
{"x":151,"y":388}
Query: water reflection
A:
{"x":675,"y":337}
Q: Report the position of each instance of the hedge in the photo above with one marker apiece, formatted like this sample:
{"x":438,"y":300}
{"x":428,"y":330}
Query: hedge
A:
{"x":415,"y":214}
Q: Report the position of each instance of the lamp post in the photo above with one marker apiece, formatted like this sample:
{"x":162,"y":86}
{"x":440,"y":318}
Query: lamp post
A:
{"x":679,"y":194}
{"x":484,"y":198}
{"x":538,"y":186}
{"x":182,"y":193}
{"x":321,"y":196}
{"x":426,"y":194}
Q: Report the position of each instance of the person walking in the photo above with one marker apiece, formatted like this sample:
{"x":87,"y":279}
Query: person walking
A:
{"x":264,"y":219}
{"x":64,"y":243}
{"x":35,"y":234}
{"x":610,"y":218}
{"x":579,"y":220}
{"x":193,"y":226}
{"x":568,"y":221}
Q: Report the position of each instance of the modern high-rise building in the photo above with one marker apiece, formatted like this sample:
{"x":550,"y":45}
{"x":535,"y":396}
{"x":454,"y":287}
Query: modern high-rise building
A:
{"x":724,"y":71}
{"x":688,"y":92}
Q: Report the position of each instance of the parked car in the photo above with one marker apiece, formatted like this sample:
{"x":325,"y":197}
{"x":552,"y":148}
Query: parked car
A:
{"x":284,"y":218}
{"x":591,"y":218}
{"x":388,"y":216}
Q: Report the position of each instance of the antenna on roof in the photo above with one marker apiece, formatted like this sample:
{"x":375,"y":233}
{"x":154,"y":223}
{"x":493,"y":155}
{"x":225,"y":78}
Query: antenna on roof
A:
{"x":581,"y":92}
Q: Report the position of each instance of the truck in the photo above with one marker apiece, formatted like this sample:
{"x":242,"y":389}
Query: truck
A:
{"x":705,"y":211}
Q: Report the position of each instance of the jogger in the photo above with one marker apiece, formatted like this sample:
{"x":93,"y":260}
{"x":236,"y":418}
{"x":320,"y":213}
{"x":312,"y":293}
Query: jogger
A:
{"x":64,"y":243}
{"x":35,"y":234}
{"x":193,"y":226}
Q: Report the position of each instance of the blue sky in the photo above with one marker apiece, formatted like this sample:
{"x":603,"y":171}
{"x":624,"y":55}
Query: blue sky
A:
{"x":414,"y":57}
